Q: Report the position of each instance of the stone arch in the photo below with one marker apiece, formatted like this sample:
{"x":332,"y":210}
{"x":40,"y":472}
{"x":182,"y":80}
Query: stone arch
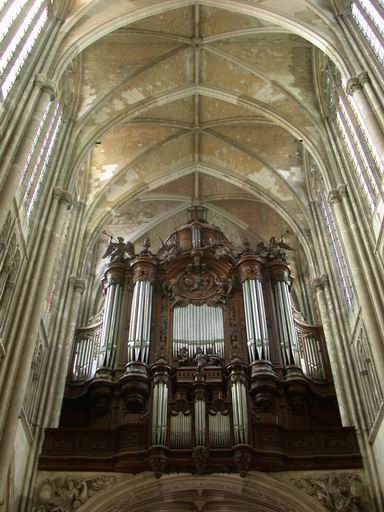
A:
{"x":224,"y":492}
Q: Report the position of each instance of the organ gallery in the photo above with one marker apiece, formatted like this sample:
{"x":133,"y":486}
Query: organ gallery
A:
{"x":197,"y":364}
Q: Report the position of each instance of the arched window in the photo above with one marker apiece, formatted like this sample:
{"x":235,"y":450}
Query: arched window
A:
{"x":40,"y":154}
{"x":20,"y":25}
{"x":369,"y":18}
{"x":328,"y":225}
{"x":358,"y":147}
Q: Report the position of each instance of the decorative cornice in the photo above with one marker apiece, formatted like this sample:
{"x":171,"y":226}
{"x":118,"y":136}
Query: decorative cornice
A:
{"x":46,"y":85}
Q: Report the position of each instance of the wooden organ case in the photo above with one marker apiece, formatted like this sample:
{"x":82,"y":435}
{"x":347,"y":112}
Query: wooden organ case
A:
{"x":197,"y":364}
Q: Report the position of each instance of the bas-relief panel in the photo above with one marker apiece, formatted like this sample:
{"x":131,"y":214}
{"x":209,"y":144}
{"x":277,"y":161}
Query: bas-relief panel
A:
{"x":341,"y":491}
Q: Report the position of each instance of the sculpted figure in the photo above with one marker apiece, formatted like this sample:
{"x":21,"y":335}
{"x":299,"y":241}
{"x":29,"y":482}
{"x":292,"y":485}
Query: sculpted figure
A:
{"x":117,"y":250}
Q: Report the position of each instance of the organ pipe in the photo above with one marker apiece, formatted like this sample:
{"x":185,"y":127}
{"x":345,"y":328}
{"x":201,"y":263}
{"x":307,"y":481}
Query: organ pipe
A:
{"x":239,"y":403}
{"x":285,"y":322}
{"x":110,"y":329}
{"x":255,"y":320}
{"x":198,"y":327}
{"x":200,"y":424}
{"x":159,"y":418}
{"x":140,"y":322}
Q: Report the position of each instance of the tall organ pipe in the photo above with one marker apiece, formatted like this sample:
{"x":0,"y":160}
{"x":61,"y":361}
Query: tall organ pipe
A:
{"x":198,"y":326}
{"x":239,"y":402}
{"x":109,"y":334}
{"x":160,"y":403}
{"x":255,"y":320}
{"x":283,"y":307}
{"x":140,"y":320}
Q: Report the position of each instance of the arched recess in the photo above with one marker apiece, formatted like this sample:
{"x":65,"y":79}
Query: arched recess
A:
{"x":256,"y":492}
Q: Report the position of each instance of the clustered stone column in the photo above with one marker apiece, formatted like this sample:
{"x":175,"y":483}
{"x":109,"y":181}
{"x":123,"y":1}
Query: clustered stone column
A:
{"x":338,"y":198}
{"x":318,"y":285}
{"x":47,"y":91}
{"x":28,"y":329}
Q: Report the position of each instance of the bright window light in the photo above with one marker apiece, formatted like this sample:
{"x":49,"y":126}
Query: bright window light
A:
{"x":13,"y":72}
{"x":371,"y":37}
{"x":10,"y":16}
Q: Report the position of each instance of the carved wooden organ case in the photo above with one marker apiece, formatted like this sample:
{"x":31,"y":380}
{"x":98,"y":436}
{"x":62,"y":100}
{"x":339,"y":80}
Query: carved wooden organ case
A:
{"x":197,"y":363}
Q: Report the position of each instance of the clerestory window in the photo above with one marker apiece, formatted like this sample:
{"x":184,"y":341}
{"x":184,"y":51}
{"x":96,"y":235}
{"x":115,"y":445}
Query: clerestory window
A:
{"x":39,"y":157}
{"x":369,"y":18}
{"x":21,"y":22}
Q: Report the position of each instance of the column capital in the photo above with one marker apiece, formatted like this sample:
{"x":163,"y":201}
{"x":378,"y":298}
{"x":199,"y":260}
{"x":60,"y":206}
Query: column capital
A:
{"x":46,"y":85}
{"x":77,"y":283}
{"x":317,"y":284}
{"x":363,"y":77}
{"x":320,"y":282}
{"x":353,"y":84}
{"x":63,"y":196}
{"x":335,"y":196}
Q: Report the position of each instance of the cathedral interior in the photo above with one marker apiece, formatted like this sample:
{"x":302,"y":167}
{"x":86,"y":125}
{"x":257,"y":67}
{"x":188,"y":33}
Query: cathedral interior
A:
{"x":191,"y":255}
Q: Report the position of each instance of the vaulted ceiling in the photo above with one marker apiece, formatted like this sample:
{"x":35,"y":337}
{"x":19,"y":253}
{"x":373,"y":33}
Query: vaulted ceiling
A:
{"x":188,"y":101}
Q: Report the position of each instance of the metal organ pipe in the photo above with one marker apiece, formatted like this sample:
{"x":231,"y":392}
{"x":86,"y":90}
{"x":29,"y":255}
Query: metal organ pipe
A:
{"x":140,"y":322}
{"x":239,"y":404}
{"x":110,"y":329}
{"x":198,"y":327}
{"x":286,"y":326}
{"x":255,"y":320}
{"x":200,"y":426}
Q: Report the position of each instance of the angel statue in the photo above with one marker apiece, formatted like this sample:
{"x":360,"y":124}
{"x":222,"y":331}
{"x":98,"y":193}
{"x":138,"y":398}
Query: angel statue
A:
{"x":275,"y":249}
{"x":117,"y":249}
